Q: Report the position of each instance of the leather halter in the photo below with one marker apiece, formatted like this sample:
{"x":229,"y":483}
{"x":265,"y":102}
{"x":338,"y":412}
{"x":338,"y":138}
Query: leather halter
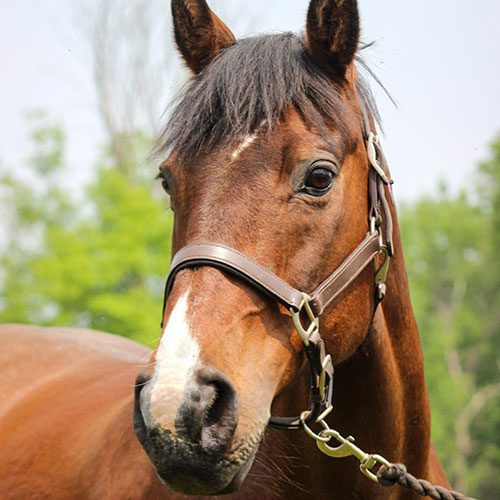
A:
{"x":377,"y":241}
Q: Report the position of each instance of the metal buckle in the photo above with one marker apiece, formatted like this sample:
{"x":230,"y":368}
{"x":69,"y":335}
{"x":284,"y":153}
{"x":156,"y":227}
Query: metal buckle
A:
{"x":304,"y":333}
{"x":382,"y":272}
{"x":323,"y":374}
{"x":326,"y":380}
{"x":376,"y":228}
{"x":371,"y":146}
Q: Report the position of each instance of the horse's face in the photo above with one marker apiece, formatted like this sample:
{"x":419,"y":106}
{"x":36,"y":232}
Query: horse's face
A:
{"x":295,"y":200}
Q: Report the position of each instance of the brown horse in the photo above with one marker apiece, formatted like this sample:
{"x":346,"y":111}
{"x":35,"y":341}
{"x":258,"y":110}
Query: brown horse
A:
{"x":266,"y":154}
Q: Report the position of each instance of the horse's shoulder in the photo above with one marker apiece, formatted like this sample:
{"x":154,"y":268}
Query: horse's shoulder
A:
{"x":26,"y":341}
{"x":50,"y":366}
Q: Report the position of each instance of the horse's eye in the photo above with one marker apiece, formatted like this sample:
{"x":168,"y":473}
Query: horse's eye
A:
{"x":164,"y":181}
{"x":319,"y":181}
{"x":165,"y":186}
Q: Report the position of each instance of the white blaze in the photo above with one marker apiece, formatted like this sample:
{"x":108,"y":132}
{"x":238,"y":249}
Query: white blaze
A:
{"x":244,"y":144}
{"x":177,"y":357}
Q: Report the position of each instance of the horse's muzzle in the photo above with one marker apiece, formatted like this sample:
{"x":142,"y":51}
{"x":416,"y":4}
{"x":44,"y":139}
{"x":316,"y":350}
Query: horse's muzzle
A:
{"x":194,"y":458}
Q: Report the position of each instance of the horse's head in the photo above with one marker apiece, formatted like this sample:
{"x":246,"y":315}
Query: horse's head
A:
{"x":266,"y":156}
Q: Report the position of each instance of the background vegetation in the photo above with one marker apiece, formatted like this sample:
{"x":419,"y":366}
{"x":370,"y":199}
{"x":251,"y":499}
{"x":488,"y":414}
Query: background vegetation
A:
{"x":98,"y":258}
{"x":451,"y":247}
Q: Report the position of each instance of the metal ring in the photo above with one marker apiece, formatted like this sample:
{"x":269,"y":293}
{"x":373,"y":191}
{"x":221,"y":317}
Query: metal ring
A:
{"x":311,"y":433}
{"x":369,"y":462}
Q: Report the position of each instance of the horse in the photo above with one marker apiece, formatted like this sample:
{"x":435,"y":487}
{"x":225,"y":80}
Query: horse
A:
{"x":268,"y":158}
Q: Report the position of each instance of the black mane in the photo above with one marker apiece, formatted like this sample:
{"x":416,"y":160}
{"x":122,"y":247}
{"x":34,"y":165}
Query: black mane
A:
{"x":254,"y":83}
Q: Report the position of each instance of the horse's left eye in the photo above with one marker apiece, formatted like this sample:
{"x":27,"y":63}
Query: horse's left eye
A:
{"x":164,"y":181}
{"x":165,"y":186}
{"x":319,"y":181}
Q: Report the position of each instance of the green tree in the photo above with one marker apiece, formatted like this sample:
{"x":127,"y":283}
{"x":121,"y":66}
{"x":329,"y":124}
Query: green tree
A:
{"x":450,"y":247}
{"x":99,"y":263}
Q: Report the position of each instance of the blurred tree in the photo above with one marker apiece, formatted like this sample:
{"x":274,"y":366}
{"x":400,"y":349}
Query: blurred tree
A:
{"x":450,"y":245}
{"x":136,"y":68}
{"x":101,"y":268}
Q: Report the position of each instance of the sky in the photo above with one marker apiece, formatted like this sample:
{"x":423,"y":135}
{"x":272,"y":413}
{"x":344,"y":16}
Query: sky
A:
{"x":438,"y":58}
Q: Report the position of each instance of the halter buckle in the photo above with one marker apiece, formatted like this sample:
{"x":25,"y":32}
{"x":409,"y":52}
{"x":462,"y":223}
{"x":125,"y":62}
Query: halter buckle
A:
{"x":382,"y":272}
{"x":305,"y":333}
{"x":372,"y":147}
{"x":321,"y":363}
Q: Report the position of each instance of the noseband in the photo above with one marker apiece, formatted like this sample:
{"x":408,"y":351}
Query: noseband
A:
{"x":310,"y":306}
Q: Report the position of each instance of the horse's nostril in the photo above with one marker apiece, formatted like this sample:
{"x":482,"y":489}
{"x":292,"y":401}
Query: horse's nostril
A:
{"x":139,"y":424}
{"x":218,"y":406}
{"x":220,"y":416}
{"x":208,"y":415}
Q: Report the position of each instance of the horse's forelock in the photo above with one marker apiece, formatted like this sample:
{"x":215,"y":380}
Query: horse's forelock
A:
{"x":251,"y":84}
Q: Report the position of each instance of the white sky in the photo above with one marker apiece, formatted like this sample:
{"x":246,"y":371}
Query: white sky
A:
{"x":439,"y":59}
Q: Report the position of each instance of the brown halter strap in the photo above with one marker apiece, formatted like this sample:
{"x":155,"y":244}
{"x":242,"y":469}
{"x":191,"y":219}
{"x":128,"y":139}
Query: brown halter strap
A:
{"x":253,"y":273}
{"x":315,"y":303}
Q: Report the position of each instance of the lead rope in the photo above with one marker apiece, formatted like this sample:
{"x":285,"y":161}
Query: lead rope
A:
{"x":397,"y":474}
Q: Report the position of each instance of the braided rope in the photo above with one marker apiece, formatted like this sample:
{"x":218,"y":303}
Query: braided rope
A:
{"x":397,"y":474}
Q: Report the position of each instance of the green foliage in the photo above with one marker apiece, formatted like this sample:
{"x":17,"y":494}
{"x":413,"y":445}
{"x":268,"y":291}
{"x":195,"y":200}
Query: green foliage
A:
{"x":450,"y":248}
{"x":101,"y":266}
{"x":49,"y":141}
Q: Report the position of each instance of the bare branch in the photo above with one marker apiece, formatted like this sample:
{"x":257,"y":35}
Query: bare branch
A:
{"x":136,"y":69}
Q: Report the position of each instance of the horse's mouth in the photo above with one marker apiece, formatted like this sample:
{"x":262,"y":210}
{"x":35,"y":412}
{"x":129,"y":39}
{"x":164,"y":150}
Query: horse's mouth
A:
{"x":186,"y":467}
{"x":238,"y":479}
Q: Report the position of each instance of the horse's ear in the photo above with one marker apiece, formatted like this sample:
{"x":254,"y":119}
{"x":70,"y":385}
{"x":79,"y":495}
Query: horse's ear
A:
{"x":333,"y":31}
{"x":200,"y":35}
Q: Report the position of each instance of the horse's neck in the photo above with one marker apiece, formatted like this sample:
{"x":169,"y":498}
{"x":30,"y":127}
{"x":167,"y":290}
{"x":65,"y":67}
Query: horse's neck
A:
{"x":380,"y":393}
{"x":398,"y":322}
{"x":380,"y":397}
